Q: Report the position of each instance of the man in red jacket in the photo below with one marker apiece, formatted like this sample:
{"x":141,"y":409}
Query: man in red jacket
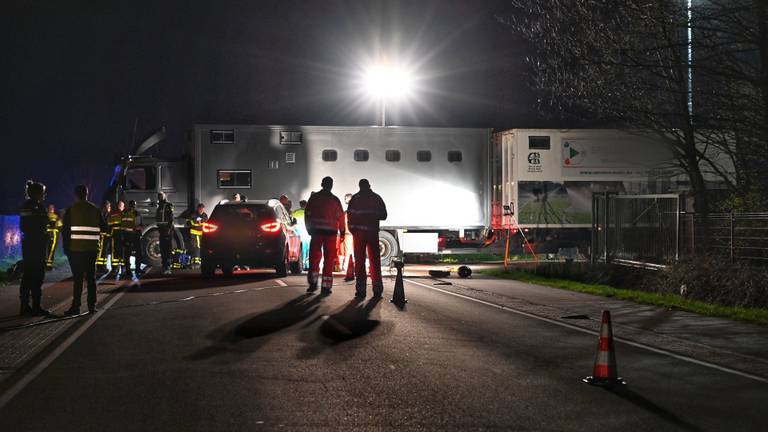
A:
{"x":324,"y":218}
{"x":365,"y":210}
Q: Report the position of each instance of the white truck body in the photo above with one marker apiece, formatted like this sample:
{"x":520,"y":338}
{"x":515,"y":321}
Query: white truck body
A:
{"x":408,"y":166}
{"x":547,"y":176}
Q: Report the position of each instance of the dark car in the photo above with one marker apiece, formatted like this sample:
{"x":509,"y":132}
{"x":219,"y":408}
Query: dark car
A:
{"x":253,"y":234}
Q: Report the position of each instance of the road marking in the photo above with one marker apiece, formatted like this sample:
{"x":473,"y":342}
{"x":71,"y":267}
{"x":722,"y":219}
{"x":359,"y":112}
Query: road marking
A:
{"x":281,"y":282}
{"x":592,"y":332}
{"x":40,"y":367}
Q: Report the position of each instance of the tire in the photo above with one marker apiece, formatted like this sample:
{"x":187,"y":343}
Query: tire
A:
{"x":388,"y":248}
{"x":296,"y":266}
{"x":207,"y":270}
{"x":282,"y":266}
{"x":150,"y":244}
{"x":227,"y":269}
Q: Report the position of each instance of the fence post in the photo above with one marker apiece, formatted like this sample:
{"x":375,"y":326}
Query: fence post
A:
{"x":677,"y":230}
{"x":731,"y":243}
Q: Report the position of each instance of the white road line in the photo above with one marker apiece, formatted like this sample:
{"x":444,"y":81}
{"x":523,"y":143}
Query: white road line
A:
{"x":40,"y":367}
{"x":281,"y":282}
{"x":592,"y":332}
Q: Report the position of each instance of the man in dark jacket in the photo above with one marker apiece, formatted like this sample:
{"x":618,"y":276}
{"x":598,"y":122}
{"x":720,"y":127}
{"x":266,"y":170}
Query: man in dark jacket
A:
{"x":33,"y":221}
{"x":365,"y":210}
{"x":324,"y":218}
{"x":164,"y":220}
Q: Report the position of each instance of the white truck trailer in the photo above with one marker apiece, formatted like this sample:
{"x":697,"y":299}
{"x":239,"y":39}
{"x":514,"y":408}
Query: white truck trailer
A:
{"x":434,"y":181}
{"x":444,"y":187}
{"x":546,"y":177}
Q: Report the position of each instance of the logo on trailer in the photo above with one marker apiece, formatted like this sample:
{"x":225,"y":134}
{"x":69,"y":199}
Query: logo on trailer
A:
{"x":534,"y":158}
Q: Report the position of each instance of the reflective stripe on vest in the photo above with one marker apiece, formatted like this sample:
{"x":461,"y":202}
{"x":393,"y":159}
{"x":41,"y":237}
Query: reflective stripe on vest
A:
{"x":85,"y":229}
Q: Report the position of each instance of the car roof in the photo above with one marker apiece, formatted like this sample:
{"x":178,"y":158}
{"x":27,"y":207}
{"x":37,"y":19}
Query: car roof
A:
{"x":268,"y":202}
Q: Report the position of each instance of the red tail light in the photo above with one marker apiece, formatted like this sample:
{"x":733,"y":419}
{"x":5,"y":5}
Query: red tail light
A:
{"x":271,"y":227}
{"x":209,"y":227}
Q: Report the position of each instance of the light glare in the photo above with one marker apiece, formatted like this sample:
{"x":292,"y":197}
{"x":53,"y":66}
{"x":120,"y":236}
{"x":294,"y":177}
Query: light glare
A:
{"x":388,"y":82}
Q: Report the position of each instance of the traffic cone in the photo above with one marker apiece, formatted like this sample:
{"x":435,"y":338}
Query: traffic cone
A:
{"x":398,"y":297}
{"x":605,"y":372}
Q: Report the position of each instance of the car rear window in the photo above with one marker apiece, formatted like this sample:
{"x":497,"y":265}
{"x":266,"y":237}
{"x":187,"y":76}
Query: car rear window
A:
{"x":244,"y":212}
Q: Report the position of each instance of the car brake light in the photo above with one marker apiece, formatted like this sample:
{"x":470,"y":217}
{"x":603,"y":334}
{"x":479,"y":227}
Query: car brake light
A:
{"x":271,"y":227}
{"x":209,"y":227}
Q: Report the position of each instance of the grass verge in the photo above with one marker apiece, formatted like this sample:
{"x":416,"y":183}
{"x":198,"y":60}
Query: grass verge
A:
{"x":756,"y":316}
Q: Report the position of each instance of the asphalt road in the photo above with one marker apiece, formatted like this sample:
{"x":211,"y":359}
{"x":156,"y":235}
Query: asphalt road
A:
{"x":256,"y":353}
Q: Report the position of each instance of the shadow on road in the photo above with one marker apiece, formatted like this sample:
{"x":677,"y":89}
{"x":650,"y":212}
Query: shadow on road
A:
{"x":352,"y":321}
{"x":192,"y":281}
{"x":640,"y":401}
{"x":257,"y":327}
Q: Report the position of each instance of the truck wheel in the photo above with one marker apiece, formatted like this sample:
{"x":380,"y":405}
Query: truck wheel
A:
{"x":150,"y":244}
{"x":282,"y":266}
{"x":388,"y":247}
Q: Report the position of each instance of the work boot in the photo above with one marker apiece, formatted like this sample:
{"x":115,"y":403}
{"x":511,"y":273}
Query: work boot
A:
{"x":312,"y":288}
{"x":325,"y":292}
{"x":378,"y":290}
{"x":359,"y":294}
{"x":74,"y":310}
{"x":167,"y":271}
{"x":39,"y":311}
{"x":92,"y":310}
{"x":25,"y":310}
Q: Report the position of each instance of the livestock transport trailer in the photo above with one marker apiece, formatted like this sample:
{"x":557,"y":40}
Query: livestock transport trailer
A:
{"x":443,"y":187}
{"x":434,"y":181}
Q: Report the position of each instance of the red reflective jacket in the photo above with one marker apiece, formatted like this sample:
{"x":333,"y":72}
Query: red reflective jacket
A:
{"x":365,"y":210}
{"x":323,"y":214}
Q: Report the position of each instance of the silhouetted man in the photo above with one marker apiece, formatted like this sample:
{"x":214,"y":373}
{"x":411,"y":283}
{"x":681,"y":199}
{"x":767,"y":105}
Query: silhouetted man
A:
{"x":365,"y":210}
{"x":324,"y":218}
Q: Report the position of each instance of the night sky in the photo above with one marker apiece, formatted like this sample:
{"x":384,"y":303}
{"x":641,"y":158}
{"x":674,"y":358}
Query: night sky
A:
{"x":78,"y":76}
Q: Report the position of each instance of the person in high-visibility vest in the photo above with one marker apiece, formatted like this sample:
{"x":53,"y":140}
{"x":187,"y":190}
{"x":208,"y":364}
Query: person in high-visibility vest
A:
{"x":325,"y":221}
{"x":301,"y":228}
{"x":365,"y":210}
{"x":81,"y":231}
{"x":33,"y":223}
{"x":54,"y":226}
{"x":105,"y":239}
{"x":195,"y":224}
{"x":115,"y":221}
{"x":131,"y":242}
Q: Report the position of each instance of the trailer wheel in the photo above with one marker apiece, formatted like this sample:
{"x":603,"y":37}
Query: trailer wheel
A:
{"x":388,"y":247}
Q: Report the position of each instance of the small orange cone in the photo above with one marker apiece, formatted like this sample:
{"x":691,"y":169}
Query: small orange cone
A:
{"x":605,"y":372}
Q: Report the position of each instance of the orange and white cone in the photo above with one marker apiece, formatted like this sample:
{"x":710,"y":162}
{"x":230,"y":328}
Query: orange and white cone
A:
{"x":605,"y":372}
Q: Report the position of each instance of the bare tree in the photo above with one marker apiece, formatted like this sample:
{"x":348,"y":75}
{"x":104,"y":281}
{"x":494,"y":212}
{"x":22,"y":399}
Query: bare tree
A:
{"x":630,"y":64}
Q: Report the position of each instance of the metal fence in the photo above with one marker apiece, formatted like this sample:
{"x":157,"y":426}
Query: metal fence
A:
{"x":654,"y":231}
{"x":735,"y":236}
{"x":636,"y":229}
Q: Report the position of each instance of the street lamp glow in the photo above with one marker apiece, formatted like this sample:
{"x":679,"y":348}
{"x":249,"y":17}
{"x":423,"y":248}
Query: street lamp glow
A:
{"x":388,"y":82}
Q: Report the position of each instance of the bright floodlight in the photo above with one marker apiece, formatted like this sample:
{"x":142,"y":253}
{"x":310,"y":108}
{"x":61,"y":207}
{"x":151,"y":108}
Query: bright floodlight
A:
{"x":388,"y":82}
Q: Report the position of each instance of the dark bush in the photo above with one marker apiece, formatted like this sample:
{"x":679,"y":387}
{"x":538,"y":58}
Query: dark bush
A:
{"x":714,"y":280}
{"x":711,"y":280}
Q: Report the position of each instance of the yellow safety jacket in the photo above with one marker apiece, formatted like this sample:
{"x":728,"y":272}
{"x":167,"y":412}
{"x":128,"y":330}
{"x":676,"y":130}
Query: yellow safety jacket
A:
{"x":81,"y":227}
{"x":114,"y":220}
{"x":129,"y":220}
{"x":195,"y":223}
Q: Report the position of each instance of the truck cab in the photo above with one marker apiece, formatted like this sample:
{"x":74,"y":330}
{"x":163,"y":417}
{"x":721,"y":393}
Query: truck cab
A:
{"x":141,"y":178}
